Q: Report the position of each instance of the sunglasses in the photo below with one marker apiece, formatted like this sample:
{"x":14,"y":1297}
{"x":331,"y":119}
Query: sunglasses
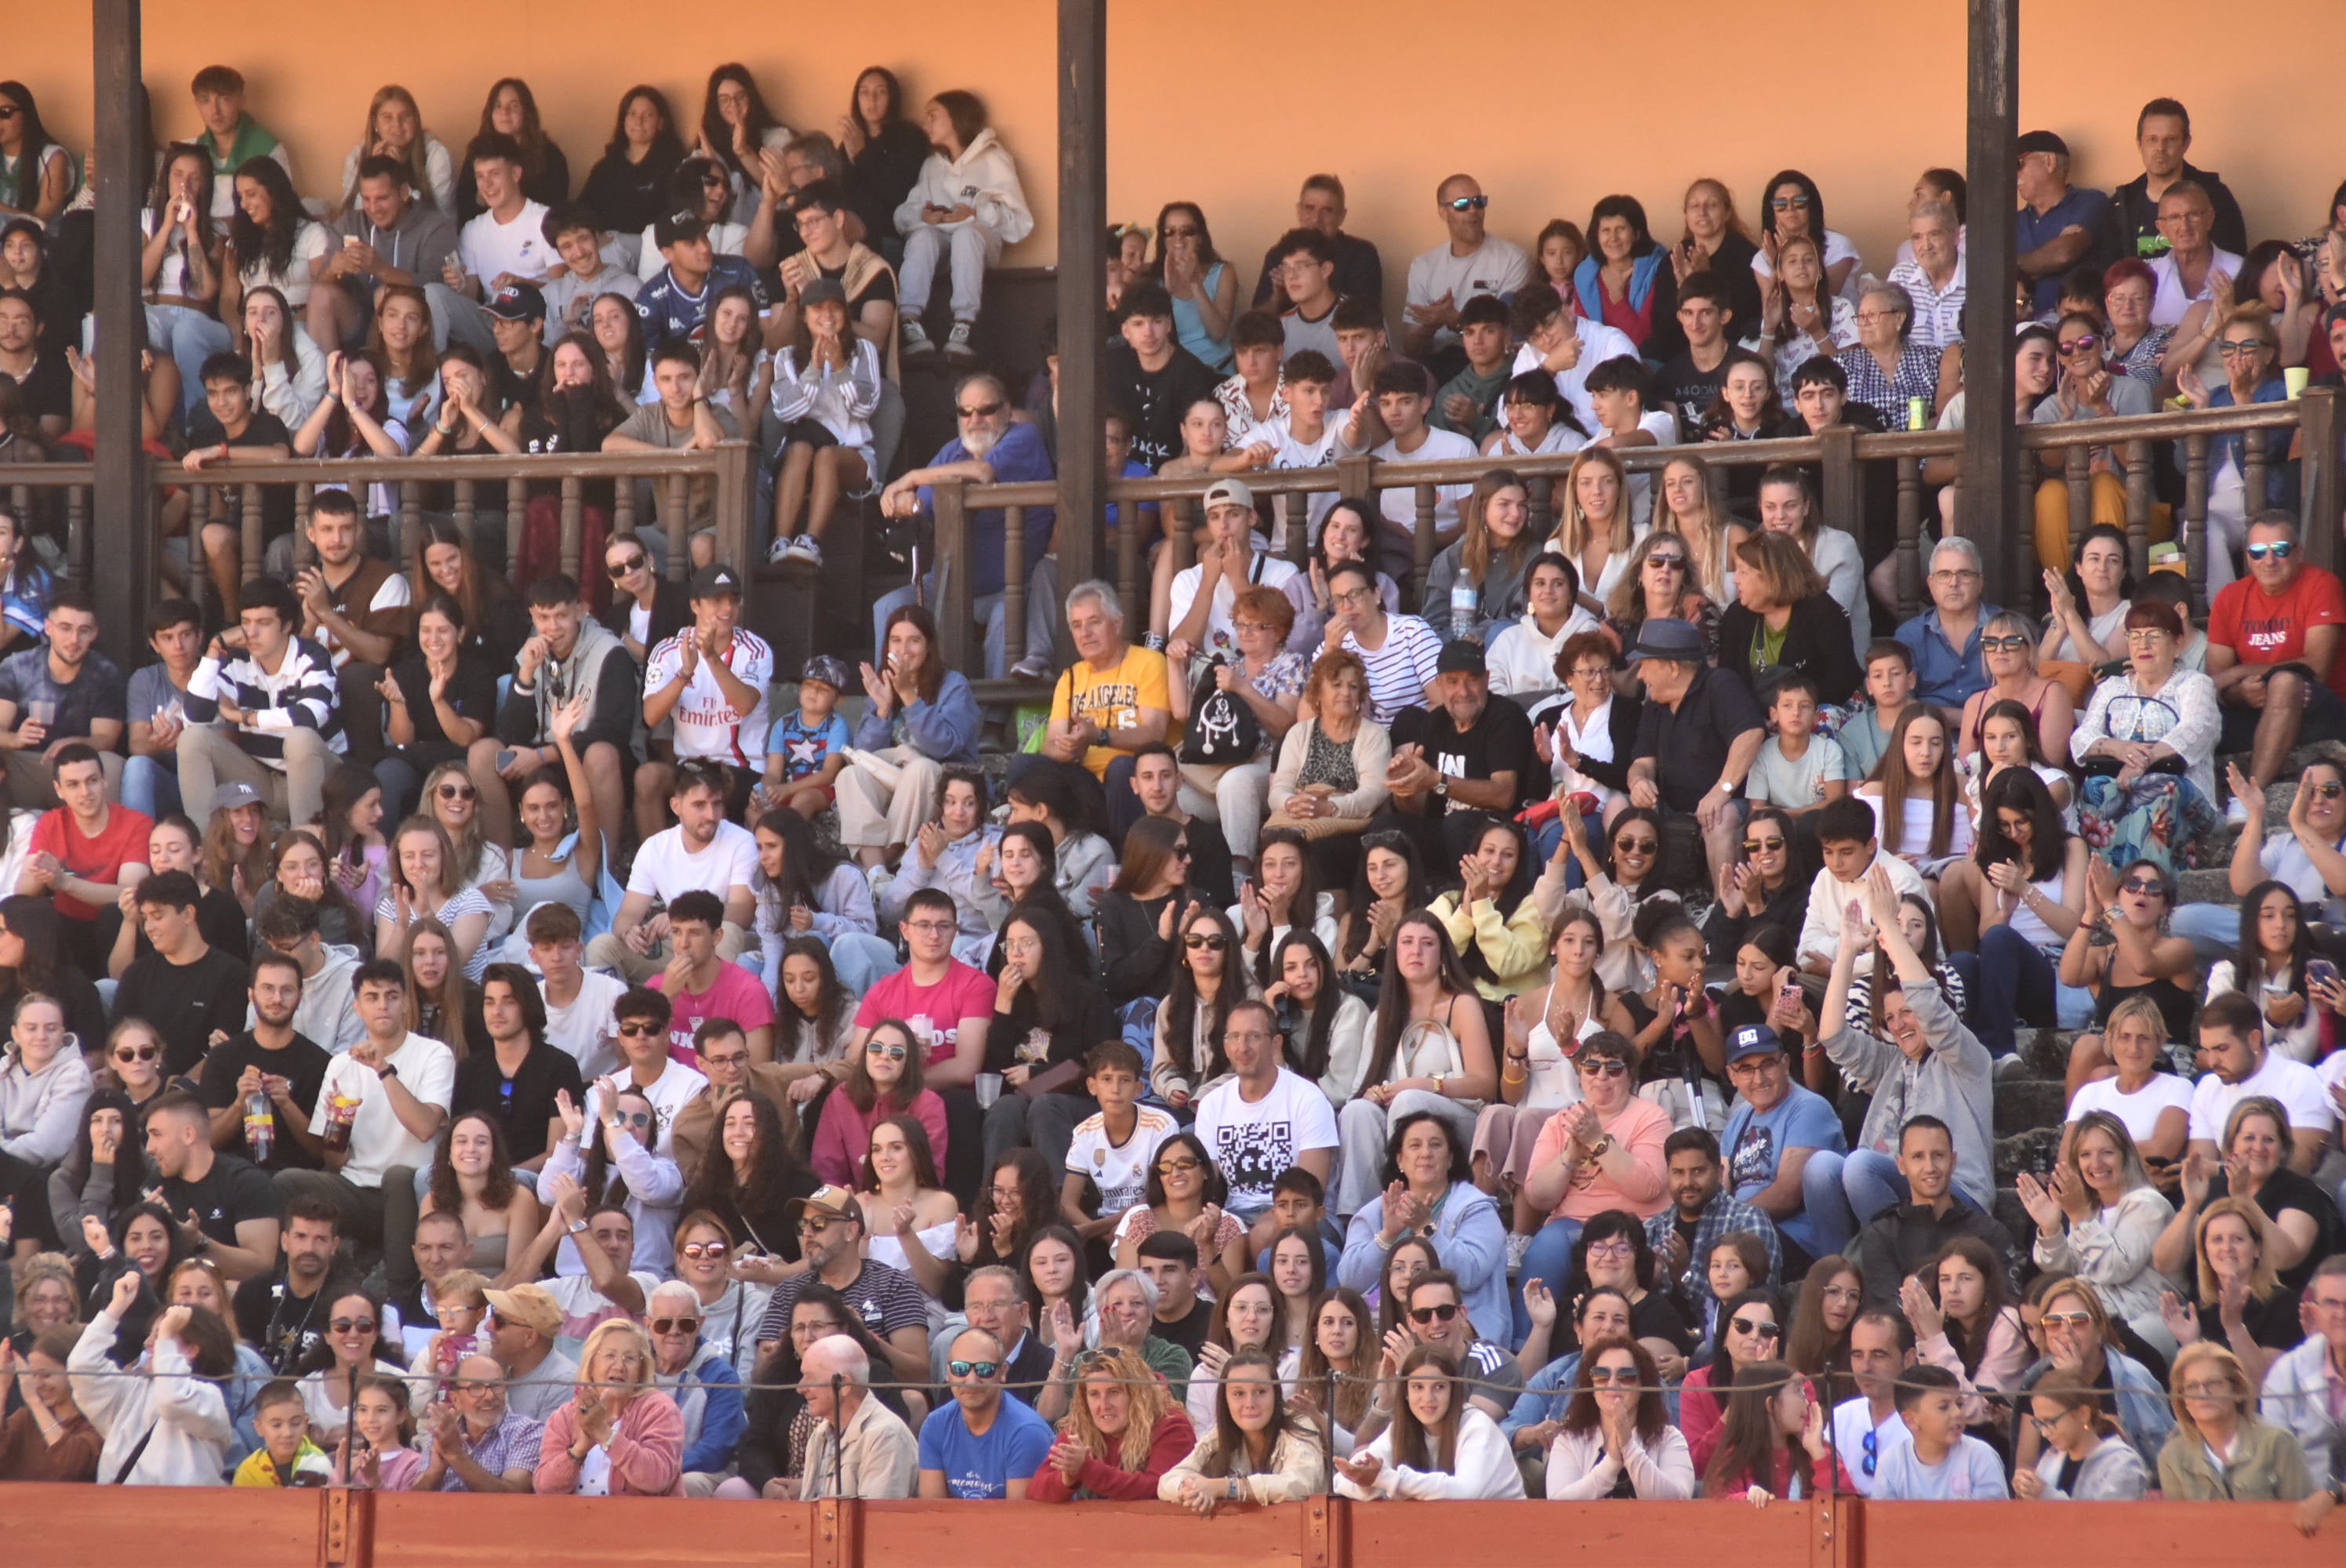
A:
{"x":812,"y":1225}
{"x":2079,"y":344}
{"x":983,"y":411}
{"x":1637,"y":846}
{"x":2235,"y":347}
{"x":676,"y":1325}
{"x":353,"y":1325}
{"x":452,"y":791}
{"x":618,"y":569}
{"x":892,"y":1052}
{"x":1762,"y":846}
{"x":1178,"y":1167}
{"x":2153,"y":885}
{"x":2329,"y":792}
{"x":2279,"y":549}
{"x":1467,"y":203}
{"x":1668,"y":563}
{"x":640,"y":1031}
{"x":2003,"y":644}
{"x":1180,"y":851}
{"x":698,"y":1250}
{"x":1873,"y":1452}
{"x":2065,"y":1319}
{"x":973,"y":1369}
{"x":1184,"y":232}
{"x":1442,"y":1314}
{"x":632,"y":1118}
{"x":1210,"y":941}
{"x":1757,"y":1327}
{"x":137,"y":1054}
{"x":1786,"y":203}
{"x":1613,"y":1377}
{"x":1603,"y":1066}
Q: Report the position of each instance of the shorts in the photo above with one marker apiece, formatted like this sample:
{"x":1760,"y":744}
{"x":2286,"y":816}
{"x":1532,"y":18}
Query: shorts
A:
{"x":813,"y":432}
{"x":2325,"y":717}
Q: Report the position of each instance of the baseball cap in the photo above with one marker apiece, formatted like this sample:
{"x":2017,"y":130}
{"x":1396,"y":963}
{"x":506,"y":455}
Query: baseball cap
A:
{"x":229,"y":797}
{"x":1668,"y":640}
{"x":834,"y":1202}
{"x":1229,"y":493}
{"x":530,"y":1305}
{"x":710,"y":581}
{"x":2041,"y":141}
{"x":828,"y":668}
{"x":822,"y":292}
{"x":677,"y":226}
{"x":1462,"y":657}
{"x":1753,"y":1040}
{"x":517,"y":303}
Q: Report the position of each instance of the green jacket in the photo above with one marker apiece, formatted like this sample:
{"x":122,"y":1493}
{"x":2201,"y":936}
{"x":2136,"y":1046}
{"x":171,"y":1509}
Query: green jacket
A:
{"x":2267,"y":1466}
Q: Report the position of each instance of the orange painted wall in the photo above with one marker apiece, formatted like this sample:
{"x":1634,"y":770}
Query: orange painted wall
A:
{"x":1552,"y":106}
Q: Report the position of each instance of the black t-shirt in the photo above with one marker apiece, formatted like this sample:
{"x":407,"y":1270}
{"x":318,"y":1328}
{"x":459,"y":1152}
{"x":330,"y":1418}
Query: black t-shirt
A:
{"x":522,"y":1104}
{"x":472,"y":692}
{"x":219,"y":919}
{"x":233,"y":1190}
{"x":1189,"y":1332}
{"x":1500,"y":742}
{"x":881,"y":285}
{"x":48,"y":388}
{"x":1690,"y":744}
{"x":1680,"y":382}
{"x":2283,"y":1190}
{"x":1156,"y":399}
{"x":283,"y":1327}
{"x":263,"y":429}
{"x":185,"y":1002}
{"x":302,"y":1064}
{"x":1655,"y":1315}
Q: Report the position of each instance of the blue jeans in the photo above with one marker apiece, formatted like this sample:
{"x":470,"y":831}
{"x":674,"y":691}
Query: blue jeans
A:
{"x":2214,"y":930}
{"x":1547,"y":1260}
{"x":1841,"y":1192}
{"x":151,"y":785}
{"x":862,"y":959}
{"x":992,"y":611}
{"x":2017,"y":985}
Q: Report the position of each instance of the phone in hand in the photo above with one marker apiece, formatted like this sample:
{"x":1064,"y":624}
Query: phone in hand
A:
{"x":506,"y":757}
{"x":1787,"y":993}
{"x":2320,"y":972}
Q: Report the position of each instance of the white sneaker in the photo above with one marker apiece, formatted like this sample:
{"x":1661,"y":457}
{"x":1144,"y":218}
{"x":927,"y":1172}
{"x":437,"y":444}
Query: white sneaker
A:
{"x":2236,"y":813}
{"x":780,"y":550}
{"x":808,"y":548}
{"x":917,"y":342}
{"x":2010,"y":1067}
{"x":957,"y":347}
{"x":1517,"y":1246}
{"x":1033,"y":666}
{"x":878,"y":877}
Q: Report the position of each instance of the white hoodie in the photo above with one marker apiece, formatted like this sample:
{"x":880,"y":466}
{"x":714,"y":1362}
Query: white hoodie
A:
{"x":984,"y":179}
{"x":1483,"y":1468}
{"x":1522,"y":658}
{"x":186,"y":1413}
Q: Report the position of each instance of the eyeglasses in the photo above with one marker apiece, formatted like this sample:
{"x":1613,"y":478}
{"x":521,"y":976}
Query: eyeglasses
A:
{"x":1427,"y":1314}
{"x":2209,"y":1390}
{"x":1757,"y":1329}
{"x":455,"y":791}
{"x":2067,"y":1319}
{"x":1612,"y":1249}
{"x":1593,"y":672}
{"x":1467,"y":203}
{"x":1211,"y":941}
{"x":1762,"y":846}
{"x":2233,"y":348}
{"x":676,"y":1325}
{"x":2152,"y":885}
{"x":353,"y":1325}
{"x":892,"y":1052}
{"x":933,"y":927}
{"x":136,"y":1054}
{"x":728,"y":1060}
{"x":618,"y":569}
{"x":632,"y":1118}
{"x":2279,"y":549}
{"x":983,"y":411}
{"x":1604,"y":1067}
{"x":2079,"y":344}
{"x":2044,"y":1428}
{"x":640,"y":1031}
{"x":1613,"y":1377}
{"x":1177,"y":1168}
{"x":700,"y":1250}
{"x":1955,"y":575}
{"x":2002,"y":645}
{"x":973,"y":1369}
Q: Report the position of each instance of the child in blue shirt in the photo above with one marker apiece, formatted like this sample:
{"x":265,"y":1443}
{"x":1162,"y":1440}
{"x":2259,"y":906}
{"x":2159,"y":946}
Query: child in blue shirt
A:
{"x":1940,"y":1461}
{"x":806,"y":750}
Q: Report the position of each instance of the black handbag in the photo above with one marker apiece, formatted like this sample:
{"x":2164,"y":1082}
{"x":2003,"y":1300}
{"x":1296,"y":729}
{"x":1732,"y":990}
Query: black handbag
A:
{"x":1223,"y":730}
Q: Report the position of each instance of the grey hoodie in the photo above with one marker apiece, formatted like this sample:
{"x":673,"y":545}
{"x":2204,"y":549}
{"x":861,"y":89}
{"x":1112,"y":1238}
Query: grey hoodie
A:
{"x":1953,"y":1082}
{"x":325,"y":1017}
{"x":2113,"y":1472}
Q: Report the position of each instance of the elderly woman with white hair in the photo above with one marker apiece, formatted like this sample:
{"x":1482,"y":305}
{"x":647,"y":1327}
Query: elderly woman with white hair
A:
{"x":619,"y":1436}
{"x":699,"y":1377}
{"x":858,"y":1447}
{"x":1887,"y":368}
{"x":1125,"y":1303}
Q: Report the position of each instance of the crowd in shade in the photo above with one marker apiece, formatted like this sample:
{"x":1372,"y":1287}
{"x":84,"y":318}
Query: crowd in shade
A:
{"x":1538,"y":1035}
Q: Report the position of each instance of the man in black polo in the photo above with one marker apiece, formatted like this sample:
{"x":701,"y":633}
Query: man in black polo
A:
{"x":1457,"y":766}
{"x":1697,"y":741}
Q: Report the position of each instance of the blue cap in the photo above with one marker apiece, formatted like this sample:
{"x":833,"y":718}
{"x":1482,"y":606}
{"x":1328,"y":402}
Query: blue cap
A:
{"x":1753,"y":1040}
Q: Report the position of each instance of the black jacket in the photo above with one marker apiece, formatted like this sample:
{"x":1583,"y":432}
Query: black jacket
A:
{"x":1085,"y":1022}
{"x":2131,"y":225}
{"x":1899,"y":1241}
{"x":1816,"y":643}
{"x":671,"y":613}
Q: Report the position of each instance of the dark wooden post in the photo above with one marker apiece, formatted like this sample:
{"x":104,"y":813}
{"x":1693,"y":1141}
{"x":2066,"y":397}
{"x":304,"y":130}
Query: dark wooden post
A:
{"x":1991,"y":443}
{"x":123,"y":567}
{"x":2322,"y":491}
{"x":1083,"y":267}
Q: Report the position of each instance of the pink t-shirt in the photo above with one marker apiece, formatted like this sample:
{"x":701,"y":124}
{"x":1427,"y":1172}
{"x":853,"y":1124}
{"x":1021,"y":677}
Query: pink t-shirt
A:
{"x":735,"y":993}
{"x":934,"y":1012}
{"x":1639,"y":1126}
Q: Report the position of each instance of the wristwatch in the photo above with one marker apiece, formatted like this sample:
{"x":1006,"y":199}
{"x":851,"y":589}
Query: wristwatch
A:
{"x":387,"y":1071}
{"x":1442,"y":785}
{"x":577,"y":1227}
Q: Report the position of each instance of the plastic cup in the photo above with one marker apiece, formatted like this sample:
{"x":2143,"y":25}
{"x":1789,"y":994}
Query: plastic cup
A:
{"x":2295,"y":378}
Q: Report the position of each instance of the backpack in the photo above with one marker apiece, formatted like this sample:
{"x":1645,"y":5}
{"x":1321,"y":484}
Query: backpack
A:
{"x":1223,"y":730}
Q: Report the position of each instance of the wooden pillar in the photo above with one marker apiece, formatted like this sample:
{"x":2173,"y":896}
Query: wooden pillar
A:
{"x":1083,"y":267}
{"x":123,"y":560}
{"x":1987,"y":514}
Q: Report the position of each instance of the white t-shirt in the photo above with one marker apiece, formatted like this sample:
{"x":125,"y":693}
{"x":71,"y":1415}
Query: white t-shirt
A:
{"x":707,"y":724}
{"x":664,"y":868}
{"x":2168,"y":302}
{"x":1852,"y":1423}
{"x":587,"y":1028}
{"x":1598,"y":343}
{"x":1221,"y":637}
{"x":1252,"y":1144}
{"x":1495,"y":267}
{"x":677,"y":1086}
{"x":2140,"y":1110}
{"x":379,"y":1139}
{"x":310,"y":241}
{"x":2297,"y":1086}
{"x":1398,"y":502}
{"x":1121,"y":1174}
{"x":488,"y":249}
{"x":1836,"y":250}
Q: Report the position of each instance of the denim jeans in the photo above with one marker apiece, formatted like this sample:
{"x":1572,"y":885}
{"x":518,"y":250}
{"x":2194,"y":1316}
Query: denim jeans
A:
{"x":1547,"y":1260}
{"x":1839,"y":1193}
{"x":151,"y":785}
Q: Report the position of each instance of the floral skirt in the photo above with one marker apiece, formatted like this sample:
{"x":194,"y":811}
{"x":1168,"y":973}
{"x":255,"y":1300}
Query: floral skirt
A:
{"x":2159,"y":817}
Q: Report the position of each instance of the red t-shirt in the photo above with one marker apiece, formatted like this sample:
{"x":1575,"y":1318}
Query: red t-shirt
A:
{"x":933,"y":1012}
{"x":98,"y":860}
{"x":2262,"y":630}
{"x":735,"y":993}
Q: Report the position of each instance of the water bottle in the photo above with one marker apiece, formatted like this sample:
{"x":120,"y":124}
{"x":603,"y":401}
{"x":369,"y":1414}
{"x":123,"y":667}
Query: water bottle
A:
{"x":1465,"y":607}
{"x":259,"y":1126}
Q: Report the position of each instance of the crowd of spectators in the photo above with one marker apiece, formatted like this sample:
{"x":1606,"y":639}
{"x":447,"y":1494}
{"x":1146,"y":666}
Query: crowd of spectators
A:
{"x":485,"y":1037}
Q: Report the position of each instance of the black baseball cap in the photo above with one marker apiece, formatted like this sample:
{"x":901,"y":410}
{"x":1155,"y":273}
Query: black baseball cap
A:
{"x":517,"y":303}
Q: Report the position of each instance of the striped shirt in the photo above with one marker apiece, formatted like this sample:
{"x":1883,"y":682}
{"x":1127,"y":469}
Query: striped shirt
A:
{"x":1400,"y":671}
{"x":301,"y":695}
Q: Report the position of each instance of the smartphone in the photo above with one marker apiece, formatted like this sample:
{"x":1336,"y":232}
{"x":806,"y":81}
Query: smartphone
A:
{"x":2320,"y":972}
{"x":505,"y":757}
{"x":1788,"y":994}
